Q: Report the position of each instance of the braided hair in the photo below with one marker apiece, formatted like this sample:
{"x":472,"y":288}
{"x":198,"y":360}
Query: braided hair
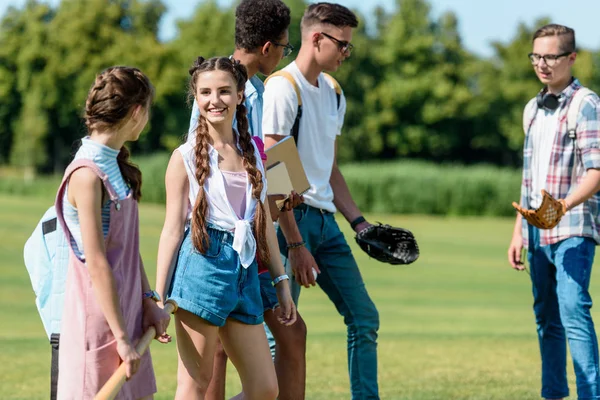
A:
{"x":199,"y":213}
{"x":114,"y":93}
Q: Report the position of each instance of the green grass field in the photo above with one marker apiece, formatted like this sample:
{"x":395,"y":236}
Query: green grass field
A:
{"x":456,"y":325}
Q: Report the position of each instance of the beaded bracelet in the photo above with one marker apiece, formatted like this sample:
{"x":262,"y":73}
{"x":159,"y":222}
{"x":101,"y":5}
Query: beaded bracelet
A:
{"x":280,"y":278}
{"x":296,"y":245}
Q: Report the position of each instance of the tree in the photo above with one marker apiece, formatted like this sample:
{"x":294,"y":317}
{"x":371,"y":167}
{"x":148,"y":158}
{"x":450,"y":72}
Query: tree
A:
{"x":418,"y":106}
{"x":23,"y":44}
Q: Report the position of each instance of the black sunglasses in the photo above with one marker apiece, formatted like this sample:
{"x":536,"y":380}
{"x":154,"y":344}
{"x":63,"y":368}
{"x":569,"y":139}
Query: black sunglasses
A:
{"x":345,"y":47}
{"x":287,"y":48}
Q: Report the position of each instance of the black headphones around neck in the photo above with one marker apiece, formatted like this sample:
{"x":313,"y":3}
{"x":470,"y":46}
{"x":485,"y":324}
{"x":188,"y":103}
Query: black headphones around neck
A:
{"x":548,"y":101}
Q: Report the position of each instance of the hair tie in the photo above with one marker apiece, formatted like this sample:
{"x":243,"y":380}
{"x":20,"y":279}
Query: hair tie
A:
{"x":236,"y":63}
{"x":196,"y":65}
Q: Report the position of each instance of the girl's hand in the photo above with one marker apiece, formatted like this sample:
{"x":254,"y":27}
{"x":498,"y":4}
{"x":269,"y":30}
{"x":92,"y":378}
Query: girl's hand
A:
{"x":155,"y":316}
{"x":130,"y":357}
{"x":287,"y":308}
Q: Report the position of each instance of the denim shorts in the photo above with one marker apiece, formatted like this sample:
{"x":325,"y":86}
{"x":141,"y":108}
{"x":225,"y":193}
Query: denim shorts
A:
{"x":214,"y":285}
{"x":268,"y":292}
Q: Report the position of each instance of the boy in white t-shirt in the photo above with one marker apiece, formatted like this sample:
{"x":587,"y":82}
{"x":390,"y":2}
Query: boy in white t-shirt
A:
{"x":309,"y":237}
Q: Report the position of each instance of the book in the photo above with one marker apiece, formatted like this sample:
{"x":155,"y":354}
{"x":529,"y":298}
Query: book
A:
{"x":284,"y":169}
{"x":278,"y":179}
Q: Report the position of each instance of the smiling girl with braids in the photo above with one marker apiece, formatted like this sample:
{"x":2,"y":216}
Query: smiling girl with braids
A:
{"x":215,"y":229}
{"x":108,"y":301}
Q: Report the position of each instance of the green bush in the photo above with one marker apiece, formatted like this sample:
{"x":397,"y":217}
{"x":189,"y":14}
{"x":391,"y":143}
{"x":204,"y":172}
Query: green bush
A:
{"x":412,"y":187}
{"x":42,"y":186}
{"x":153,"y":169}
{"x":401,"y":187}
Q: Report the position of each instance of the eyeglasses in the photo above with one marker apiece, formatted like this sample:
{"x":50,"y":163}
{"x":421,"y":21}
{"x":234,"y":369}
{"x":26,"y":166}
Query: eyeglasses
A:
{"x":549,"y":59}
{"x":287,"y":48}
{"x":345,"y":47}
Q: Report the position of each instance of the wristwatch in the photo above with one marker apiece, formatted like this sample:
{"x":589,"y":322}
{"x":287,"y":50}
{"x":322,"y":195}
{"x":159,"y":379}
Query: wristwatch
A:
{"x":152,"y":294}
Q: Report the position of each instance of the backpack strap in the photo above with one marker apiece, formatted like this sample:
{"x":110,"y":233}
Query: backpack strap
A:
{"x":74,"y":166}
{"x":529,"y":115}
{"x":574,"y":108}
{"x":290,"y":78}
{"x":337,"y":87}
{"x":287,"y":76}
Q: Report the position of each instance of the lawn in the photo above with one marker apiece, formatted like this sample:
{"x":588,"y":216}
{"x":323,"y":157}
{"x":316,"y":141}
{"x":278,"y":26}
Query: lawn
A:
{"x":455,"y":325}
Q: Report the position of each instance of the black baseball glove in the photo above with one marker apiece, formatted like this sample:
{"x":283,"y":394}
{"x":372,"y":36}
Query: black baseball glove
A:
{"x":388,"y":244}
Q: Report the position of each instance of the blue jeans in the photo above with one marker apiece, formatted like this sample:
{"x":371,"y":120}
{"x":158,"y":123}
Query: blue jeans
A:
{"x":340,"y":279}
{"x":560,"y":274}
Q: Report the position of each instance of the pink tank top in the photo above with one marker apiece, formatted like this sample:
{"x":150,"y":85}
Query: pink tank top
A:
{"x":235,"y":187}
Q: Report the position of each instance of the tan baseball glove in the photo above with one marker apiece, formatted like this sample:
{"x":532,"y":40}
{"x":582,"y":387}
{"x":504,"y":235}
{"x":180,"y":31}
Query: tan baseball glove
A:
{"x":547,"y":215}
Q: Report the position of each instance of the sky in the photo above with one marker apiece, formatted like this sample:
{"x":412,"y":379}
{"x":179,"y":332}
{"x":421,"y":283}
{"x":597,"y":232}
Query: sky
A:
{"x":480,"y":21}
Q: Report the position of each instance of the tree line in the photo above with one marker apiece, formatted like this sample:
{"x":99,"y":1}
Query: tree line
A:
{"x":413,"y":90}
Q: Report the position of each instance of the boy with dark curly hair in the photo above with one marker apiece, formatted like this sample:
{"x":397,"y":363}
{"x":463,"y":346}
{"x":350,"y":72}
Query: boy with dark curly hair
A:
{"x":261,"y":41}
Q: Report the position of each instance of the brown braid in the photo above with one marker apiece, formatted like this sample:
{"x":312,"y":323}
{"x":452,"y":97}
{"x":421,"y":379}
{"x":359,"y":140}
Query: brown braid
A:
{"x":114,"y":93}
{"x":256,"y":179}
{"x":199,"y":233}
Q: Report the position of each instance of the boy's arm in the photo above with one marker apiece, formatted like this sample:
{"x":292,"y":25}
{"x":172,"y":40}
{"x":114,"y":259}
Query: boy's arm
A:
{"x":588,"y":142}
{"x":286,"y":218}
{"x":342,"y":199}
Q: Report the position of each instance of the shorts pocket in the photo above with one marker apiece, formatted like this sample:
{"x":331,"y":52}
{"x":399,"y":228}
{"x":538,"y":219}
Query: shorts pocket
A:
{"x":214,"y":246}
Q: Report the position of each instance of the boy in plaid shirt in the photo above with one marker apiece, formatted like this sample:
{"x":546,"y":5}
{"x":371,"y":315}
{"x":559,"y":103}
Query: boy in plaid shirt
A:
{"x":561,"y":258}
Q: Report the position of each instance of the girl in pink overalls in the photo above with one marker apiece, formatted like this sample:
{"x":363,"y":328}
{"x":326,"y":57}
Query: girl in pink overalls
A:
{"x":108,"y":301}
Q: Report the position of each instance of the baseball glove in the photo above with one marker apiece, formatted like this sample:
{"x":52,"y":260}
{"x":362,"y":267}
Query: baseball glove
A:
{"x":547,"y":215}
{"x":388,"y":244}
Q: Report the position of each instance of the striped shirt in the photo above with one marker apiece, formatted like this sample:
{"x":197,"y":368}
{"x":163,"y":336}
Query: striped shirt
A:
{"x":106,"y":159}
{"x":254,"y":105}
{"x":569,"y":161}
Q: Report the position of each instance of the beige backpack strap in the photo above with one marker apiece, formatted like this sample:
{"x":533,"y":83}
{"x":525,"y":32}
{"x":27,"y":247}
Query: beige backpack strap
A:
{"x":529,"y":115}
{"x":573,"y":111}
{"x":336,"y":85}
{"x":290,"y":79}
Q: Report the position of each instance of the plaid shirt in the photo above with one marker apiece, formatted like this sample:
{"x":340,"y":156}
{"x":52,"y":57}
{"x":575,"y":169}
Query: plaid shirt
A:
{"x":582,"y":153}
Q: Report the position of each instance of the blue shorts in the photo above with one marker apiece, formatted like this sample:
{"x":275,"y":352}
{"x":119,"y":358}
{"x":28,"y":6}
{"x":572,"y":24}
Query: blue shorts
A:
{"x":214,"y":285}
{"x":268,"y":292}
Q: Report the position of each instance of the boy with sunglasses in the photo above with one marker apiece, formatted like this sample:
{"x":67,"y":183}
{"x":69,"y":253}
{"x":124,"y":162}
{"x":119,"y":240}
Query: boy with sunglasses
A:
{"x":567,"y":165}
{"x":261,"y":42}
{"x":309,"y":237}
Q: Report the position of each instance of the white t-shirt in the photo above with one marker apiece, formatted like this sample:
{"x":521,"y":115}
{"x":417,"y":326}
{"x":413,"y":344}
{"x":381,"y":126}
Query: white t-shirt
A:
{"x":543,"y":133}
{"x":320,"y":124}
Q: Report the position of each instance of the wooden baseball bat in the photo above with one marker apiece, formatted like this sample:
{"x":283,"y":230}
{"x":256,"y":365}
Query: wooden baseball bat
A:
{"x":112,"y":387}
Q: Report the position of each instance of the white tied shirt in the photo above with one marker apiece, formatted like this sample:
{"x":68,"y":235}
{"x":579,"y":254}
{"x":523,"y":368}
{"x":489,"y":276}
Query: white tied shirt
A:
{"x":543,"y":133}
{"x":220,"y":213}
{"x":320,"y":125}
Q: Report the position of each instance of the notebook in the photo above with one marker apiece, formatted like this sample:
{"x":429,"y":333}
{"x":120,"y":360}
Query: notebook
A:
{"x":284,"y":169}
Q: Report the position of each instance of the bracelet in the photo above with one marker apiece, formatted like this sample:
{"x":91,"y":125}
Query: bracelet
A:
{"x":296,"y":245}
{"x":280,"y":278}
{"x":152,"y":294}
{"x":357,"y":221}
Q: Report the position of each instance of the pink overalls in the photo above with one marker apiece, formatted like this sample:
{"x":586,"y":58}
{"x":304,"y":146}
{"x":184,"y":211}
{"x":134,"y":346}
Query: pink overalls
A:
{"x":88,"y":351}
